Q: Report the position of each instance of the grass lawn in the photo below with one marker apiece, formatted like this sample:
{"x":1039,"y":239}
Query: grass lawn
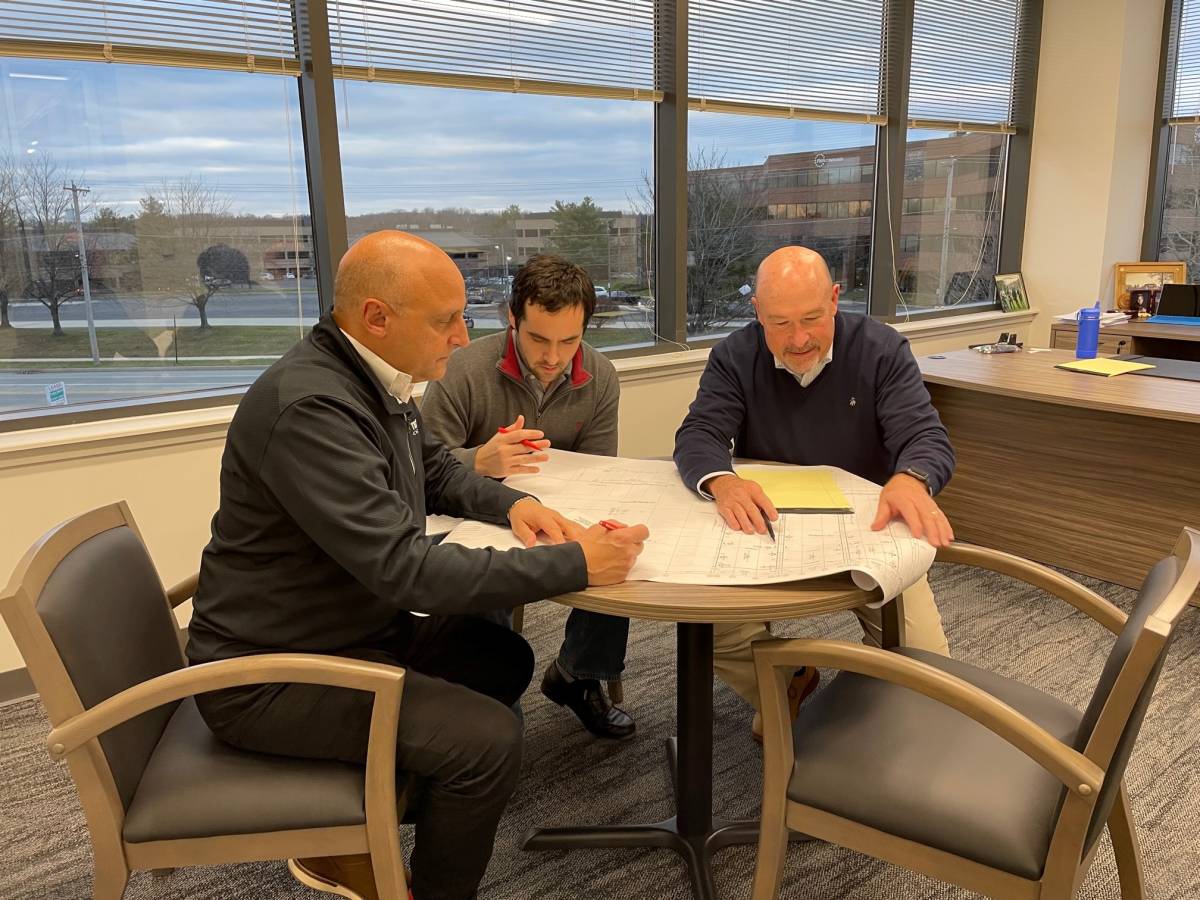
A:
{"x":138,"y":347}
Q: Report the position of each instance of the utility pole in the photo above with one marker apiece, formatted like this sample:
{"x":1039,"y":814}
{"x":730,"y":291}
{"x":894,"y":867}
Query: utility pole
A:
{"x":943,"y":287}
{"x":87,"y":289}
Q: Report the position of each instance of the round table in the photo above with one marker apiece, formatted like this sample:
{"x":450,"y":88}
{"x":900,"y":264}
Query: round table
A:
{"x":692,"y":832}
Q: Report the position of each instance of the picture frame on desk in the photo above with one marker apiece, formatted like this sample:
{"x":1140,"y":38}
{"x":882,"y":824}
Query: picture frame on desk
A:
{"x":1010,"y":291}
{"x":1129,"y":276}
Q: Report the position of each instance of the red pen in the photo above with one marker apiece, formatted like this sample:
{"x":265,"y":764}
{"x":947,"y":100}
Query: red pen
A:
{"x":530,"y":444}
{"x":610,"y":525}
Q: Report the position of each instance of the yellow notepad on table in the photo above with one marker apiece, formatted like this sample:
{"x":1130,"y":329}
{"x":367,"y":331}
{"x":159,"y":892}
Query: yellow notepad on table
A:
{"x":799,"y":490}
{"x":1102,"y":366}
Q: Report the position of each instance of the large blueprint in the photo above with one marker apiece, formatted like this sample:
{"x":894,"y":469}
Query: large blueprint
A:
{"x":690,"y":543}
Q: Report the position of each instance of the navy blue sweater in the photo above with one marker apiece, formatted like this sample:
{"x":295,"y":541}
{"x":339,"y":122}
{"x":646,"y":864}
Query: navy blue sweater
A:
{"x":868,"y":412}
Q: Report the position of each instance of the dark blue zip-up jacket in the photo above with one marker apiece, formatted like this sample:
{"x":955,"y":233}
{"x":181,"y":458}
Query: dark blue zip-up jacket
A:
{"x":868,"y":412}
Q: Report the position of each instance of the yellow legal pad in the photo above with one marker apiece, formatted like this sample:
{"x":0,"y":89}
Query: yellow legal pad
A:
{"x":1102,"y":366}
{"x":799,"y":490}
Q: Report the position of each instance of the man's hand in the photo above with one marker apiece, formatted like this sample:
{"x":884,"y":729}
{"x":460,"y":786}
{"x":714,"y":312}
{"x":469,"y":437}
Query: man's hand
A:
{"x":505,"y":455}
{"x":741,"y":503}
{"x":907,"y":498}
{"x":611,"y":554}
{"x":528,"y":517}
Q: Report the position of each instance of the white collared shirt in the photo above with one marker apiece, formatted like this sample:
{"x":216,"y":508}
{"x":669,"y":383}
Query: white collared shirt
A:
{"x":803,"y":380}
{"x":398,"y":384}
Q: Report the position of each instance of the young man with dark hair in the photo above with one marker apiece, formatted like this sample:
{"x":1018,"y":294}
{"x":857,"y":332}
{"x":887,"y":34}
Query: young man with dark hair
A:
{"x":542,"y":384}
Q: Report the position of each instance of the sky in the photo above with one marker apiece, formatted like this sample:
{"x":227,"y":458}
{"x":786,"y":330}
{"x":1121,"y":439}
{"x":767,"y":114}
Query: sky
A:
{"x":123,"y":130}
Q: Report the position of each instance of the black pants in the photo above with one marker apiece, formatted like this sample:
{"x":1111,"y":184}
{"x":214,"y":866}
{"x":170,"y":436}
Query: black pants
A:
{"x":456,"y":733}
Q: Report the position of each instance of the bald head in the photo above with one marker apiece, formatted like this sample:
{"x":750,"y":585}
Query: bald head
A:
{"x":402,"y":298}
{"x":794,"y":271}
{"x":796,"y":302}
{"x":393,"y":267}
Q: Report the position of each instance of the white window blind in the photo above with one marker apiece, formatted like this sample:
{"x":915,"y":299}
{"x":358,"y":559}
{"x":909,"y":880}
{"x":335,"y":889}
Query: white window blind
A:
{"x":817,"y":59}
{"x":964,"y":54}
{"x":245,"y":35}
{"x":1183,"y":101}
{"x":573,"y":47}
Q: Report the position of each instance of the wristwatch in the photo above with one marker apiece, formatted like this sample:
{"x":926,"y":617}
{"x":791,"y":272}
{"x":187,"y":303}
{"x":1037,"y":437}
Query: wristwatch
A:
{"x":921,"y":475}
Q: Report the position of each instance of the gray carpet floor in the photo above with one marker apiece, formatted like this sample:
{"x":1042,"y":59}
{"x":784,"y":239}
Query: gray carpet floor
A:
{"x":991,"y":620}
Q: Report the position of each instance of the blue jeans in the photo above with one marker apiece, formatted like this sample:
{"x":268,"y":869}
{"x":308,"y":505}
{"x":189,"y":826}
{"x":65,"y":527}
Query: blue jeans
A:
{"x":594,"y":645}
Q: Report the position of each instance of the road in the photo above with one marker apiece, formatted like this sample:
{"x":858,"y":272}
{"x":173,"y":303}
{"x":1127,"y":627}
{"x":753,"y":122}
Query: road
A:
{"x":20,"y":391}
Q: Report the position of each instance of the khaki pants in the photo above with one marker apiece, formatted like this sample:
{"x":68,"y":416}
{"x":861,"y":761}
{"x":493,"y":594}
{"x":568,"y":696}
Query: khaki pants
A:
{"x":733,"y":658}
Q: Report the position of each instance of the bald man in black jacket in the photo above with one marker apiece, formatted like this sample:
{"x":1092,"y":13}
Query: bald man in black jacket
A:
{"x":319,"y":546}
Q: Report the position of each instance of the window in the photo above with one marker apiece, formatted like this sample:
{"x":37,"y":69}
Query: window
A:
{"x":536,"y":131}
{"x":770,"y":130}
{"x":1177,"y":207}
{"x":191,"y":225}
{"x":498,"y":131}
{"x":961,"y":109}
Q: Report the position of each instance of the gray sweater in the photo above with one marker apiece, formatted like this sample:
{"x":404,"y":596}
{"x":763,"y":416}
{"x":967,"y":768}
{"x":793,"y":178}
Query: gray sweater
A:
{"x":484,"y":389}
{"x":319,"y":541}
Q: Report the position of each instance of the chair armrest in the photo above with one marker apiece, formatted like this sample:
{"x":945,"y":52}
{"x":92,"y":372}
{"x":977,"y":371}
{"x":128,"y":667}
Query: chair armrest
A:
{"x":1084,"y":600}
{"x":1068,"y":765}
{"x":183,"y":591}
{"x":302,"y":668}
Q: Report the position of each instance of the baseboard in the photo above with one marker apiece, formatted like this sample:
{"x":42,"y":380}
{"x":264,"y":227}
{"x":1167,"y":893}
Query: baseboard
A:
{"x":14,"y":685}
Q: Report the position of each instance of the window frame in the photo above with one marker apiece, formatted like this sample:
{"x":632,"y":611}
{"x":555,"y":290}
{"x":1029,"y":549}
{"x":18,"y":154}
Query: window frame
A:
{"x":319,"y":124}
{"x":1160,"y":142}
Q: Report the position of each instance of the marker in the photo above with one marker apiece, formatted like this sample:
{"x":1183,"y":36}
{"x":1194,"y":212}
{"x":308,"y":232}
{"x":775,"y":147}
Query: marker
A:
{"x":610,"y":525}
{"x":530,"y":444}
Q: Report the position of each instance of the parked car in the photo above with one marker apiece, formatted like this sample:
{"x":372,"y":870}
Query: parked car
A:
{"x":475,"y":295}
{"x":470,"y":321}
{"x":601,"y":293}
{"x":624,"y":297}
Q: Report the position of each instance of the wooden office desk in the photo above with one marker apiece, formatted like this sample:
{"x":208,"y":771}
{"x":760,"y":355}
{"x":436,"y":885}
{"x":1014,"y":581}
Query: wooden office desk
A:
{"x":1096,"y":475}
{"x":1141,"y":337}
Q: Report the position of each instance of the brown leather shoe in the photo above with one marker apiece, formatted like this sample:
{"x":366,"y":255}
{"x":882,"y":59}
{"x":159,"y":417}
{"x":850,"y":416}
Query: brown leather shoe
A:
{"x":803,"y":683}
{"x":351,"y":876}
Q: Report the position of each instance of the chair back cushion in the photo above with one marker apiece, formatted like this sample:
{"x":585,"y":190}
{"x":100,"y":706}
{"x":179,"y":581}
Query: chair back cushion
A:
{"x":109,"y":619}
{"x":1154,"y":590}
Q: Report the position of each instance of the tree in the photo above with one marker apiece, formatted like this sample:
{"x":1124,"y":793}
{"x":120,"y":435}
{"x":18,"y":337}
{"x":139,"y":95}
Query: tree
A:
{"x":176,"y":225}
{"x":11,"y":244}
{"x":47,"y":211}
{"x":219,"y":266}
{"x":581,"y":235}
{"x":725,"y":206}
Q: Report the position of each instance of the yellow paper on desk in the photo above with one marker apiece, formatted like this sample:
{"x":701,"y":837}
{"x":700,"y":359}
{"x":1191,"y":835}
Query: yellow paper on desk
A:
{"x":799,"y":490}
{"x":1102,"y":366}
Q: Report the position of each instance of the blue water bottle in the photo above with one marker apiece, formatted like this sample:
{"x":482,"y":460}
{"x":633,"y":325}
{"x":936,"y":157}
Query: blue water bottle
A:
{"x":1089,"y":332}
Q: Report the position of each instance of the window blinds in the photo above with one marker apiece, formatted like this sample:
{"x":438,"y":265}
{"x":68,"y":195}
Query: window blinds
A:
{"x":964,"y":54}
{"x":599,"y":48}
{"x":815,"y":59}
{"x":1183,"y":97}
{"x":243,"y":35}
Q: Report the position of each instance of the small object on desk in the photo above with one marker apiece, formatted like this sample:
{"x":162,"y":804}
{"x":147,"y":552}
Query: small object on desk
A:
{"x":1089,"y":332}
{"x":530,"y":444}
{"x":798,"y":490}
{"x":1101,"y":366}
{"x":610,"y":525}
{"x":770,"y":530}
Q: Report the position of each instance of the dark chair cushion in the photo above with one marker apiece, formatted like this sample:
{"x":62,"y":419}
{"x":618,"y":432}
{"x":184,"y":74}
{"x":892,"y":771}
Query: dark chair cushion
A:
{"x":897,"y":761}
{"x":197,"y":786}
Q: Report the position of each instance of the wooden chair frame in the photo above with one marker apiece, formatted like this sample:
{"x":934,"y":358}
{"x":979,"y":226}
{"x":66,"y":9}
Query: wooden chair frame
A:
{"x":1081,"y":773}
{"x":75,"y":732}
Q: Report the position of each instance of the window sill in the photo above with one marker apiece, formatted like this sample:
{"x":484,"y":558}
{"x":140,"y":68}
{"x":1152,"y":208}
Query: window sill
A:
{"x":136,"y":433}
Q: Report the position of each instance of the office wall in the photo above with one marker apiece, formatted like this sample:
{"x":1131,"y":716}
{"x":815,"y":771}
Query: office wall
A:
{"x":1093,"y":124}
{"x":169,"y":477}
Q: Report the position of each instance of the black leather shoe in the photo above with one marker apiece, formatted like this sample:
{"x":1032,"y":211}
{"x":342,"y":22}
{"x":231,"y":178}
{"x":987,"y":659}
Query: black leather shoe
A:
{"x":585,"y":697}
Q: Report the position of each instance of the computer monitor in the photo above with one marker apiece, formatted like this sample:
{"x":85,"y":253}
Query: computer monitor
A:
{"x":1179,"y":300}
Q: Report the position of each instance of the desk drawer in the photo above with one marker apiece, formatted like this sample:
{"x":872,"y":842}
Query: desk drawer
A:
{"x":1108,"y":345}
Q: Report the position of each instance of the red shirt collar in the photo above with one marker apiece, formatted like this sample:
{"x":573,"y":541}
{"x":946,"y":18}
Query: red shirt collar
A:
{"x":510,"y":364}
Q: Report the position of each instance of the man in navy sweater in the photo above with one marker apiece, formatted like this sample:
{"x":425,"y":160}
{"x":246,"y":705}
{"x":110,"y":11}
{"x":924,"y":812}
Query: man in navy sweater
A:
{"x":808,"y":385}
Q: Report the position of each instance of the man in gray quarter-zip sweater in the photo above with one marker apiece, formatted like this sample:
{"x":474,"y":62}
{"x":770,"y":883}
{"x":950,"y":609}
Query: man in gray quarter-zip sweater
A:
{"x":542,"y":383}
{"x":319,"y":545}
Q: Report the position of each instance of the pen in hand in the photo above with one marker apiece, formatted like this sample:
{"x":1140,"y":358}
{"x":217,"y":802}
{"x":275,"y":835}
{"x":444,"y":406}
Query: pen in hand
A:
{"x":530,"y":444}
{"x":770,"y":530}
